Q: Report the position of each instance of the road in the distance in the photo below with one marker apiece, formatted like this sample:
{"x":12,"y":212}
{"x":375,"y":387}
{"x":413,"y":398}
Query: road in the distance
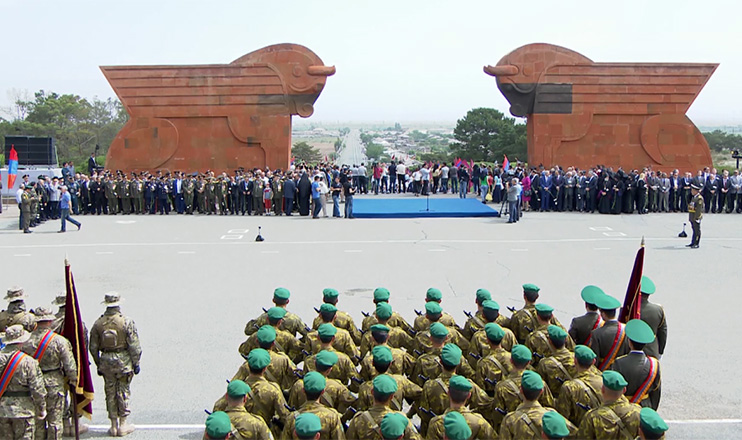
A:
{"x":353,"y":151}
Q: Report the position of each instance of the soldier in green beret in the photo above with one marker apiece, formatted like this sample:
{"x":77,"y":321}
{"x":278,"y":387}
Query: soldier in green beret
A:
{"x":456,"y":427}
{"x":492,"y":368}
{"x":642,"y":372}
{"x":435,"y":392}
{"x":651,"y":425}
{"x":280,"y":370}
{"x":433,"y":313}
{"x":525,"y":422}
{"x":654,"y":315}
{"x":218,"y":426}
{"x":285,"y":342}
{"x":476,"y":322}
{"x":427,"y":366}
{"x":336,"y":394}
{"x":381,"y":294}
{"x":398,"y":338}
{"x":307,"y":427}
{"x":366,"y":424}
{"x":554,"y":426}
{"x":524,"y":321}
{"x":559,"y":366}
{"x":291,"y":322}
{"x":344,"y":370}
{"x":393,"y":426}
{"x":582,"y":392}
{"x":609,"y":340}
{"x":538,"y":340}
{"x":406,"y":390}
{"x":330,"y":419}
{"x":479,"y":346}
{"x":616,"y":418}
{"x":422,"y":322}
{"x":459,"y":392}
{"x":342,"y":342}
{"x":402,"y":362}
{"x":342,"y":319}
{"x":582,"y":327}
{"x":247,"y":425}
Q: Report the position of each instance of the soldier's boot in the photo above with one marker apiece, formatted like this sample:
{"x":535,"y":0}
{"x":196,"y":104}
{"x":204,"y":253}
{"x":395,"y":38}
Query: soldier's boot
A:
{"x":125,"y":428}
{"x":113,"y":431}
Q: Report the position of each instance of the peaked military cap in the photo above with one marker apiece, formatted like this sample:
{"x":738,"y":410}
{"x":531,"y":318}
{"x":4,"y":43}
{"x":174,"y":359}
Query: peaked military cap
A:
{"x":647,"y":285}
{"x":639,"y":331}
{"x":607,"y":302}
{"x":590,"y":294}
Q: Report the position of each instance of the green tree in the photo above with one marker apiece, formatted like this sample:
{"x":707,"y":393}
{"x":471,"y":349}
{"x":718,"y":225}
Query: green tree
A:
{"x":374,"y":151}
{"x":485,"y":134}
{"x":719,"y":140}
{"x":303,"y":152}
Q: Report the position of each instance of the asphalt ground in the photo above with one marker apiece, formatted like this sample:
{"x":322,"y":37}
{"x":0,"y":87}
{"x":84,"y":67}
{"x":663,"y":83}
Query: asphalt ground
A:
{"x":192,"y":282}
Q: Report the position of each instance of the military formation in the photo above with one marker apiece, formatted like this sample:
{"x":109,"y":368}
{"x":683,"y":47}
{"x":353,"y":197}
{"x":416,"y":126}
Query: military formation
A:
{"x":38,"y":368}
{"x":520,"y":377}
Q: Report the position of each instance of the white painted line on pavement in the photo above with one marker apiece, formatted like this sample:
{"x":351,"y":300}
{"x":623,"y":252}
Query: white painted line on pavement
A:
{"x":519,"y":250}
{"x":187,"y":252}
{"x":269,"y":252}
{"x":232,"y":237}
{"x":238,"y":231}
{"x":614,"y":234}
{"x":149,"y":427}
{"x":22,"y":255}
{"x":704,"y":421}
{"x":436,"y":250}
{"x":601,"y":249}
{"x":103,"y":253}
{"x":600,"y":228}
{"x":126,"y":222}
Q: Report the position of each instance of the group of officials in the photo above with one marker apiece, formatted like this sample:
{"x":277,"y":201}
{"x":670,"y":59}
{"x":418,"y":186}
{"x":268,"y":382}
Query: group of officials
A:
{"x":38,"y":368}
{"x":522,"y":377}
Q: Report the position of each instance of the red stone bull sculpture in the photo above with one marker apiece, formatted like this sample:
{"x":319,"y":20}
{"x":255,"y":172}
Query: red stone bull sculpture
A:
{"x":584,"y":113}
{"x":218,"y":116}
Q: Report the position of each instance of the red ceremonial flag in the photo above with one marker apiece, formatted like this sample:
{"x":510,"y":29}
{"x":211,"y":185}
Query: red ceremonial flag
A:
{"x":75,"y":333}
{"x":632,"y":303}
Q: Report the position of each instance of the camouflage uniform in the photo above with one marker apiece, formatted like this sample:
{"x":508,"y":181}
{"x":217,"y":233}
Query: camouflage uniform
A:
{"x":525,"y":422}
{"x":266,"y":401}
{"x":508,"y":397}
{"x":538,"y":342}
{"x":344,"y":370}
{"x":557,"y":369}
{"x":343,"y":342}
{"x":280,"y":370}
{"x":57,"y":364}
{"x":395,"y":321}
{"x":402,"y":363}
{"x":480,"y":428}
{"x":435,"y":398}
{"x":525,"y":319}
{"x":479,"y":345}
{"x":494,"y":367}
{"x":428,"y":365}
{"x":397,"y":339}
{"x":24,"y":397}
{"x":332,"y":427}
{"x":615,"y":420}
{"x":342,"y":320}
{"x":115,"y":349}
{"x":366,"y":425}
{"x":14,"y":315}
{"x":291,"y":323}
{"x":336,"y":396}
{"x":406,"y":390}
{"x":422,"y":322}
{"x":248,"y":426}
{"x":423,"y":345}
{"x":584,"y":388}
{"x":285,"y":343}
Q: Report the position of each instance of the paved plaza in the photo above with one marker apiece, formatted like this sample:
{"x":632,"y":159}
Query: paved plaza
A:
{"x":192,"y":282}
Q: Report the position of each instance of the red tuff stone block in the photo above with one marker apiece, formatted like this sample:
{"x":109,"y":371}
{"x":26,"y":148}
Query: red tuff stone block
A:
{"x":218,"y":116}
{"x":626,"y":115}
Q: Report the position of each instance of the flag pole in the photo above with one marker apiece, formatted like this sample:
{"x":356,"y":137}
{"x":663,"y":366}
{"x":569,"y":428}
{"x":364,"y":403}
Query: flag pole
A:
{"x":75,"y":419}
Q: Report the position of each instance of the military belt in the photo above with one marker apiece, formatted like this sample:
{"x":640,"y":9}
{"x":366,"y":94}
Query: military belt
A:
{"x":112,"y":350}
{"x":51,"y":371}
{"x":17,"y":394}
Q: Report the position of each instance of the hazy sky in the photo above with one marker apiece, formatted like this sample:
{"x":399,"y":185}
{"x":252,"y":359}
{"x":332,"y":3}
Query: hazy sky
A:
{"x":397,"y":60}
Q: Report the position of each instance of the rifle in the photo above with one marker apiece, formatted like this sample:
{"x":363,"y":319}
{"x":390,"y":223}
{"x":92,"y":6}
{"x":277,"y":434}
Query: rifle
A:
{"x":365,"y":314}
{"x":512,"y":309}
{"x":583,"y":406}
{"x":537,"y":355}
{"x":207,"y":411}
{"x":306,"y":353}
{"x":316,"y":309}
{"x":417,"y":352}
{"x":475,"y":356}
{"x":425,"y":379}
{"x":468,"y":314}
{"x":418,"y":313}
{"x":530,"y":330}
{"x":501,"y":411}
{"x":265,"y":310}
{"x":299,"y":375}
{"x":357,"y":380}
{"x":427,"y":411}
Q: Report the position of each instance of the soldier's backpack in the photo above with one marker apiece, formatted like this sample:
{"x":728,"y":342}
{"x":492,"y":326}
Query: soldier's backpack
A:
{"x":113,"y":334}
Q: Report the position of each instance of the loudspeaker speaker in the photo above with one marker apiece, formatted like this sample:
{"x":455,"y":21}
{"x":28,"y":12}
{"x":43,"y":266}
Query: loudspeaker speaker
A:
{"x":32,"y":150}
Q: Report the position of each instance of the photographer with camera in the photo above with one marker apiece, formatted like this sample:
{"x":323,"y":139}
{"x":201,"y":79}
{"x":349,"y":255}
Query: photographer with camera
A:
{"x":513,"y":190}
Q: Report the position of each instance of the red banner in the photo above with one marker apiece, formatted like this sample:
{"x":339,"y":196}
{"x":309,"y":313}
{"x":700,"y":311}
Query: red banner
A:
{"x":632,"y":302}
{"x":75,"y":333}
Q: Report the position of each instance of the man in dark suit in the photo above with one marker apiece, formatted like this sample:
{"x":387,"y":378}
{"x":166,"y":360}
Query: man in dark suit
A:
{"x":289,"y":192}
{"x":582,"y":327}
{"x":675,"y":191}
{"x":711,"y":191}
{"x":685,"y":184}
{"x":559,"y":182}
{"x":725,"y":186}
{"x":642,"y":372}
{"x":608,"y":341}
{"x":654,"y":315}
{"x":92,"y":166}
{"x":591,"y":191}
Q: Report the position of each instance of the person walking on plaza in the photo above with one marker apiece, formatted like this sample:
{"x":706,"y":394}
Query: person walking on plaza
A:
{"x":64,"y":210}
{"x":695,"y":214}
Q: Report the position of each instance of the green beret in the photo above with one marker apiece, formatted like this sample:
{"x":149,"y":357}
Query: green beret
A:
{"x":490,"y":305}
{"x":556,"y":333}
{"x":307,"y":425}
{"x":647,"y":287}
{"x":276,"y":313}
{"x":590,"y":294}
{"x":327,"y":308}
{"x":218,"y":425}
{"x":651,"y":422}
{"x":385,"y":384}
{"x":314,"y":382}
{"x":382,"y":355}
{"x":584,"y":354}
{"x":483,"y":295}
{"x":381,"y":294}
{"x":613,"y":380}
{"x":381,"y":328}
{"x":383,"y":311}
{"x":531,"y":288}
{"x":554,"y":425}
{"x":238,"y":388}
{"x":329,"y":293}
{"x":531,"y":381}
{"x":456,"y":427}
{"x":393,"y":425}
{"x":451,"y":355}
{"x":438,"y":330}
{"x":459,"y":383}
{"x":266,"y":334}
{"x":281,"y":293}
{"x":544,"y":309}
{"x":639,"y":331}
{"x":258,"y":358}
{"x":326,"y":330}
{"x":433,"y":308}
{"x":433,"y":294}
{"x":607,"y":302}
{"x":494,"y":332}
{"x":520,"y":354}
{"x":326,"y":359}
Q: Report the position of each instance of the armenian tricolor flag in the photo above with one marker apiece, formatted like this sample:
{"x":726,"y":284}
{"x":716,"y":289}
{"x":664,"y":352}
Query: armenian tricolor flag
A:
{"x":12,"y":166}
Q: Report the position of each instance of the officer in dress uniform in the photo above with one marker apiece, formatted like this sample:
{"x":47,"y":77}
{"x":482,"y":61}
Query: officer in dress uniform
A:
{"x":642,"y":372}
{"x":608,"y":341}
{"x":582,"y":326}
{"x":654,"y":315}
{"x":695,"y":214}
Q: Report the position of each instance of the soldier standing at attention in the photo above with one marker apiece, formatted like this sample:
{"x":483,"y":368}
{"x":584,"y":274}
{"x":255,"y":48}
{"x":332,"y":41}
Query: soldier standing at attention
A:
{"x":406,"y":390}
{"x":582,"y":326}
{"x":24,"y":396}
{"x":291,"y":322}
{"x":336,"y":395}
{"x":554,"y":425}
{"x":476,"y":321}
{"x":459,"y":392}
{"x":54,"y":355}
{"x":538,"y":340}
{"x":332,"y":426}
{"x":342,"y":319}
{"x":422,"y":322}
{"x":523,"y":321}
{"x":582,"y":392}
{"x":281,"y":368}
{"x":479,"y":346}
{"x":496,"y":365}
{"x":307,"y":427}
{"x":609,"y":341}
{"x":115,"y":349}
{"x":26,"y":199}
{"x":640,"y":371}
{"x":428,"y":366}
{"x":695,"y":214}
{"x":189,"y":187}
{"x":218,"y":426}
{"x":345,"y":370}
{"x":365,"y":424}
{"x":616,"y":418}
{"x":654,"y":315}
{"x":16,"y":308}
{"x":381,"y":294}
{"x":248,"y":426}
{"x":559,"y":366}
{"x":398,"y":338}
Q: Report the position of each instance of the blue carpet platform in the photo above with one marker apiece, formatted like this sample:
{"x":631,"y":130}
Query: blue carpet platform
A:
{"x":415,"y":207}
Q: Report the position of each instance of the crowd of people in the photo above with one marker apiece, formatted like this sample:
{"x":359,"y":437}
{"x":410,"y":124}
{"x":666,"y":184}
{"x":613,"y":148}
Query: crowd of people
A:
{"x":520,"y":377}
